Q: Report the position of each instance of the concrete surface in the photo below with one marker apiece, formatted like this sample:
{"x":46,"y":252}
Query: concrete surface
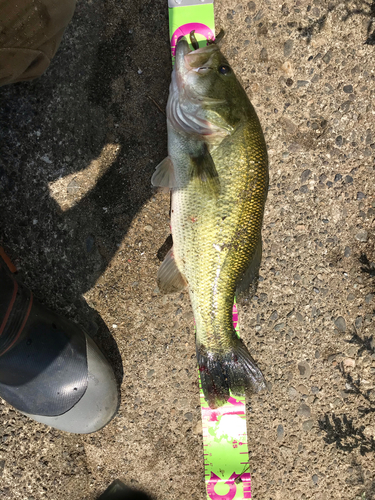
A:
{"x":80,"y":220}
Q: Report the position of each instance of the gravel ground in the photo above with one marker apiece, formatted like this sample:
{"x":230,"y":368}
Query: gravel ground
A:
{"x":80,"y":220}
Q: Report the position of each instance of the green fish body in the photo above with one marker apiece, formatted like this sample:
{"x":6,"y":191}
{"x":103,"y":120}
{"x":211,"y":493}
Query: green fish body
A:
{"x":217,"y":170}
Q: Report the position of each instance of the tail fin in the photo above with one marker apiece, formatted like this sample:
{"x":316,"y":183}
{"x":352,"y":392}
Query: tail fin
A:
{"x":235,"y":370}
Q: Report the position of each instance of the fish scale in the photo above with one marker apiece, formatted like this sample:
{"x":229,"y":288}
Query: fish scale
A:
{"x":206,"y":230}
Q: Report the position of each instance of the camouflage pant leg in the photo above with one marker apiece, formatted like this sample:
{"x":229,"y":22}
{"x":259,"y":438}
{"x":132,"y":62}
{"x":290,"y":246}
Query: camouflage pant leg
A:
{"x":30,"y":34}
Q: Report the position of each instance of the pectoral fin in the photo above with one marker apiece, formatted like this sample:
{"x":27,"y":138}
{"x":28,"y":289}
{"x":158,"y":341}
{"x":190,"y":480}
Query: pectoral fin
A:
{"x":170,"y":278}
{"x":164,"y":174}
{"x":246,"y":288}
{"x":203,"y":171}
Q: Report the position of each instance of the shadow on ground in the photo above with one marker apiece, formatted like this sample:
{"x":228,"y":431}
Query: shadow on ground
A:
{"x":352,"y":8}
{"x":118,"y":491}
{"x":348,"y":434}
{"x":105,"y":86}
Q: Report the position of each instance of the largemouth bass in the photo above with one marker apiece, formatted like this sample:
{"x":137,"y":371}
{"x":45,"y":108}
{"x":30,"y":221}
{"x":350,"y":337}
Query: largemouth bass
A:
{"x":217,"y":170}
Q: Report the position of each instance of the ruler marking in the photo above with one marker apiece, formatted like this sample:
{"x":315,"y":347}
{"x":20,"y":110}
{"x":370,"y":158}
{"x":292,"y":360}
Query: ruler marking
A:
{"x":223,"y":452}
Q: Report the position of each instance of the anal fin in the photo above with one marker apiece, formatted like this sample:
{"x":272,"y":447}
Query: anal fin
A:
{"x":170,"y":278}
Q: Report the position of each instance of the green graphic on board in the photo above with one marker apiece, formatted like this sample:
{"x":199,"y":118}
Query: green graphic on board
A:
{"x":197,"y":18}
{"x":226,"y":456}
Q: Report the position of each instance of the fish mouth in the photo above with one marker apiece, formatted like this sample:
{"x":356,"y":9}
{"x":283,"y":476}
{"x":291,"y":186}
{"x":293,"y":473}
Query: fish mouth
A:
{"x":181,"y":69}
{"x":182,"y":50}
{"x":198,"y":60}
{"x":188,"y":60}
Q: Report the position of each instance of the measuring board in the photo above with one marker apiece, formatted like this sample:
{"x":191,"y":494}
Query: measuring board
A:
{"x":226,"y":456}
{"x":191,"y":15}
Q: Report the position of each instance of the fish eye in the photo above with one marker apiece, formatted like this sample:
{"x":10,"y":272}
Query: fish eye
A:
{"x":224,"y":70}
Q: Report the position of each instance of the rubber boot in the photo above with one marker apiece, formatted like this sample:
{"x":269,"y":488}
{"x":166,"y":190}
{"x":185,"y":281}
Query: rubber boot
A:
{"x":50,"y":369}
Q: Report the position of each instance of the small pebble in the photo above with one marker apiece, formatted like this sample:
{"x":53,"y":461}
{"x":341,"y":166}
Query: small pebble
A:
{"x":279,"y":327}
{"x":302,"y":83}
{"x":304,"y":369}
{"x":150,"y":373}
{"x":316,"y":12}
{"x":251,"y":6}
{"x":148,"y":228}
{"x":274,"y":316}
{"x":292,"y":393}
{"x":348,"y":179}
{"x":327,"y":57}
{"x":285,"y":10}
{"x":362,"y":236}
{"x":305,"y":175}
{"x":189,"y":416}
{"x":369,"y":298}
{"x":73,"y":187}
{"x":348,"y":89}
{"x":302,"y":389}
{"x":314,"y":389}
{"x":286,"y":452}
{"x":280,"y":432}
{"x":338,"y":177}
{"x":345,"y":106}
{"x":198,"y":428}
{"x":307,"y":425}
{"x":315,"y":479}
{"x":349,"y":362}
{"x":304,"y":410}
{"x":340,"y":324}
{"x":347,"y":252}
{"x":263,"y":56}
{"x":360,"y":195}
{"x":338,"y":402}
{"x":288,"y":48}
{"x":46,"y":159}
{"x":299,"y":317}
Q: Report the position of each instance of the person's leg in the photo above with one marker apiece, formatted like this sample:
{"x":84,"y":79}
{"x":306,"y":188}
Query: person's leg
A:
{"x":30,"y":34}
{"x":50,"y":369}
